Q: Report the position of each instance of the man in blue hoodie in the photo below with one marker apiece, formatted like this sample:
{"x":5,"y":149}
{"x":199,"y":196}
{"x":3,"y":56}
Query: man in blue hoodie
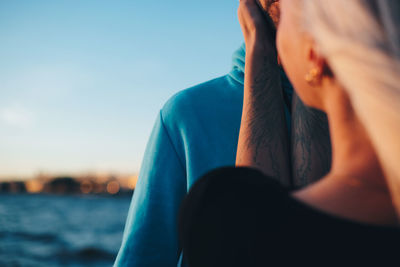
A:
{"x":196,"y":131}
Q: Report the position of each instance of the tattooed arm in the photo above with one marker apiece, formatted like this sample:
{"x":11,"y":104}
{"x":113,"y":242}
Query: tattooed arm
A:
{"x":311,"y":146}
{"x":263,"y":141}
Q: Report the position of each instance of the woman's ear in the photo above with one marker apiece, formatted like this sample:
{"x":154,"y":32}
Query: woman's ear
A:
{"x":313,"y":57}
{"x":317,"y":65}
{"x":317,"y":61}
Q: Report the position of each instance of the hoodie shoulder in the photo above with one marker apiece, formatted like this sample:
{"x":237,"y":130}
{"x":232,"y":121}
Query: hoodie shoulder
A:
{"x":203,"y":124}
{"x":212,"y":96}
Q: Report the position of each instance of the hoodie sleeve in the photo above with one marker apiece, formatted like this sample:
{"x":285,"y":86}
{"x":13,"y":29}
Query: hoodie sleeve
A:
{"x":150,"y":236}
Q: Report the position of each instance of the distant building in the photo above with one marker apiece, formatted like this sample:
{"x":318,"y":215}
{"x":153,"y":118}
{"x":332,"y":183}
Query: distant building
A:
{"x":12,"y":187}
{"x":62,"y":185}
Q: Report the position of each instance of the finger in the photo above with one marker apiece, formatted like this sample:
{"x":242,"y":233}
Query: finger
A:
{"x":250,"y":14}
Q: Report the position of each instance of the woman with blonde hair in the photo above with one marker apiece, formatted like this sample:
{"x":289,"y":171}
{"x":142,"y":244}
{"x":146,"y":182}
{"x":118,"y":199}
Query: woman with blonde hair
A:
{"x":343,"y":57}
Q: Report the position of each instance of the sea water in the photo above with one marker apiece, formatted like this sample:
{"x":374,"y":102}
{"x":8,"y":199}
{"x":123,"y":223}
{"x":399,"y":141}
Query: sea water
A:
{"x":49,"y":230}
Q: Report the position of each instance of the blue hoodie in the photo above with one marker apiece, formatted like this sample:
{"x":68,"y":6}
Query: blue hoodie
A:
{"x":196,"y":131}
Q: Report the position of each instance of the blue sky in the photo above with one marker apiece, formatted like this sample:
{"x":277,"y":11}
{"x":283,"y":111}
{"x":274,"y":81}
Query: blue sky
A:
{"x":81,"y":81}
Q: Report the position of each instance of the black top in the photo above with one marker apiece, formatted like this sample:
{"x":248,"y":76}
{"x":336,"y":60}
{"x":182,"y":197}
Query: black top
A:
{"x":239,"y":217}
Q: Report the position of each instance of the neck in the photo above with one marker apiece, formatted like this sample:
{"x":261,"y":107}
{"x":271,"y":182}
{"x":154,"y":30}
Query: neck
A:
{"x":355,"y":188}
{"x":352,"y":151}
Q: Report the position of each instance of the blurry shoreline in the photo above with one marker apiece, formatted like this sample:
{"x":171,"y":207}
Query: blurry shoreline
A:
{"x":92,"y":184}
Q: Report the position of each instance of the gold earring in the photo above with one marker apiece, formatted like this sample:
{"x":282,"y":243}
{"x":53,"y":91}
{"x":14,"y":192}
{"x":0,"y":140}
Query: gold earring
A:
{"x":313,"y":77}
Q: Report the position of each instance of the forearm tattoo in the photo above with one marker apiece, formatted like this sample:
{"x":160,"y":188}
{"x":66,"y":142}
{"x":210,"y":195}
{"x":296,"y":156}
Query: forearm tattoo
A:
{"x":266,"y":121}
{"x":311,"y":146}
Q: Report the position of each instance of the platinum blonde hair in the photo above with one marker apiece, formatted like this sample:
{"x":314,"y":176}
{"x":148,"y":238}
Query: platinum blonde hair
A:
{"x":361,"y":41}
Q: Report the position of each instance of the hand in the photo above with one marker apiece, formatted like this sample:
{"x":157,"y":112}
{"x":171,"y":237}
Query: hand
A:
{"x":257,"y":26}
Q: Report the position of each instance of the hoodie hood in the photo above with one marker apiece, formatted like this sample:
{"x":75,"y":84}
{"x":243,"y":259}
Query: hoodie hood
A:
{"x":238,"y":60}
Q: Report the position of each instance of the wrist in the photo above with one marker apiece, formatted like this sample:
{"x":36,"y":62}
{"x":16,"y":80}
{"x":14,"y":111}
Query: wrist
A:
{"x":258,"y":50}
{"x":258,"y":59}
{"x":255,"y":42}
